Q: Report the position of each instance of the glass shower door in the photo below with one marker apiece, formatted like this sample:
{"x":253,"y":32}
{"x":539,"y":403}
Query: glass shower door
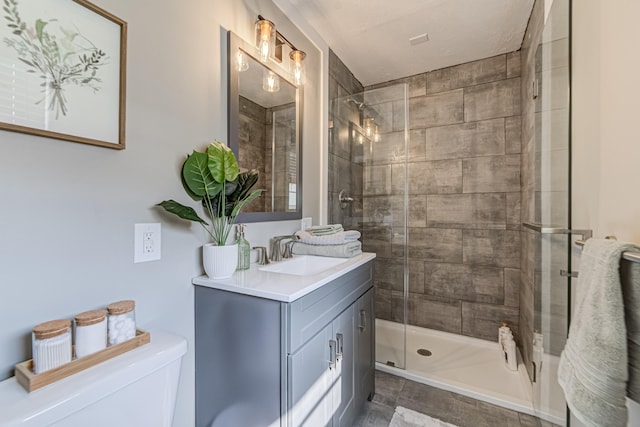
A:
{"x":368,"y":146}
{"x":553,"y":200}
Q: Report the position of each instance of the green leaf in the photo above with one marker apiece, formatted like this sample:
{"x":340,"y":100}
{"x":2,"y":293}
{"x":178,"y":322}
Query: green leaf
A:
{"x":222,"y":162}
{"x":184,"y":212}
{"x":242,"y":203}
{"x":246,"y":180}
{"x":198,"y":178}
{"x":40,"y":24}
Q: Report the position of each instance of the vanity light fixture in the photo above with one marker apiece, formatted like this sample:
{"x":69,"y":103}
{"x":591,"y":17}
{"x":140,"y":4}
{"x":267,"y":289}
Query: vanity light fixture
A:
{"x":265,"y":38}
{"x":270,"y":43}
{"x":270,"y":81}
{"x":376,"y":134}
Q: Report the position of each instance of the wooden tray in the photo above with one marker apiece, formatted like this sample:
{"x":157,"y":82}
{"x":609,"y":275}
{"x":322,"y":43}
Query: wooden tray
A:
{"x":30,"y":381}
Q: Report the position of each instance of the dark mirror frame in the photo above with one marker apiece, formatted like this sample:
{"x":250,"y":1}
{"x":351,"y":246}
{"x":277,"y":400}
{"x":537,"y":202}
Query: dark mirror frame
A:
{"x":233,"y":111}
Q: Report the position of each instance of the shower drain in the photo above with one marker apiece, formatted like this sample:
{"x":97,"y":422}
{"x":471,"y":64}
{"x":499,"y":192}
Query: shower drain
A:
{"x":424,"y":352}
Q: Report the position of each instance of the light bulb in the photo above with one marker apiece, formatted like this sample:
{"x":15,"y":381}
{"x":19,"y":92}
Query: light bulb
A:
{"x":265,"y":38}
{"x":368,"y":127}
{"x":297,"y":72}
{"x":242,"y":63}
{"x":270,"y":82}
{"x":264,"y":50}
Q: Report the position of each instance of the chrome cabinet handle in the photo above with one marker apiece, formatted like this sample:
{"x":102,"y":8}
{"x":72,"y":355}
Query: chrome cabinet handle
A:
{"x":363,"y":320}
{"x":339,"y":344}
{"x":332,"y":354}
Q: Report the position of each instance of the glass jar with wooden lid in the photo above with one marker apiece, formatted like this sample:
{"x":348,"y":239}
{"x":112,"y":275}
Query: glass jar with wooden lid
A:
{"x":51,"y":345}
{"x":91,"y":332}
{"x":122,"y":321}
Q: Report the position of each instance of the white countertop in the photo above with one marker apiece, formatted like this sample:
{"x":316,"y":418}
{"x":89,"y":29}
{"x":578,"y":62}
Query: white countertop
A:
{"x":281,"y":286}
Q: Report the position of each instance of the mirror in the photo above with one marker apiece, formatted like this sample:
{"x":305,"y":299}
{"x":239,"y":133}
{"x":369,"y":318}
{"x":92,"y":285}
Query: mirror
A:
{"x":265,"y":111}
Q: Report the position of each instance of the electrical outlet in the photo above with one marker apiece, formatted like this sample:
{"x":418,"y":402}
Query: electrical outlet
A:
{"x":147,"y":245}
{"x":147,"y":242}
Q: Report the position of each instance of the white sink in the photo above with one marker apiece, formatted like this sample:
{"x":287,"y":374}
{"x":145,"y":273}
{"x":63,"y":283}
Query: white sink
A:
{"x":303,"y":265}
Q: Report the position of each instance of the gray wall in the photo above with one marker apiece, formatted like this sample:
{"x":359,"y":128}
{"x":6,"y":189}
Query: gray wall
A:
{"x":345,"y":163}
{"x":464,"y":200}
{"x":66,"y":228}
{"x":463,"y":176}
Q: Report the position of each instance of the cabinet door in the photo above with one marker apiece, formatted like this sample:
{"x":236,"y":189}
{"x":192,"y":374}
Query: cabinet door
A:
{"x":310,"y":381}
{"x":365,"y":351}
{"x":344,"y":385}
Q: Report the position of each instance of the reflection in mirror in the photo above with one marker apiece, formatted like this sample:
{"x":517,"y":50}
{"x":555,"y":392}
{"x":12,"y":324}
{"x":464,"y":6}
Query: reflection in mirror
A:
{"x":264,"y":131}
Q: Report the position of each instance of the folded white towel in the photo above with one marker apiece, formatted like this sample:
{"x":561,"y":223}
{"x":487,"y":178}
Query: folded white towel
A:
{"x":323,"y":230}
{"x":346,"y":250}
{"x":331,"y":239}
{"x":593,"y":365}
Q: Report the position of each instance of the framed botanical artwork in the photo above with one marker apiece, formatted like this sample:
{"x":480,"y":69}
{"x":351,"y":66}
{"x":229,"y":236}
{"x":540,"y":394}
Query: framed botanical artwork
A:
{"x":62,"y":71}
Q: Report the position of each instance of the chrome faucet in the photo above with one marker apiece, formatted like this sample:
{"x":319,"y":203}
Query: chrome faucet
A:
{"x":263,"y":259}
{"x":276,"y":248}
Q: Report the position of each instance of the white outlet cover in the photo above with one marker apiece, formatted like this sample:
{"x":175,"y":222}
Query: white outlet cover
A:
{"x":138,"y":247}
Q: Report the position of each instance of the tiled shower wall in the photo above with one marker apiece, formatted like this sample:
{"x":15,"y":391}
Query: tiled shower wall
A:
{"x":252,"y":140}
{"x":256,"y":151}
{"x":345,"y":163}
{"x":463,"y":171}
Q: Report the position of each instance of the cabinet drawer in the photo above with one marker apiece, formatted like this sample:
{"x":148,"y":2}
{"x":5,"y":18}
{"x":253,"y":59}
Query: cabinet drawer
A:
{"x":311,"y":313}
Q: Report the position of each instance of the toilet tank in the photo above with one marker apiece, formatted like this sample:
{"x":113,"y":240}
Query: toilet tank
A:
{"x":137,"y":388}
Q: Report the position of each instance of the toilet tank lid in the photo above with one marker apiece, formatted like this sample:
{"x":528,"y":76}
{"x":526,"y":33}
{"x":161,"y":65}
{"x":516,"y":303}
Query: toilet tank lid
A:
{"x":81,"y":389}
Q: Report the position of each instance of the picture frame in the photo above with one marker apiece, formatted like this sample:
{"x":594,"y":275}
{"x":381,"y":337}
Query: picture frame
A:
{"x":63,"y":71}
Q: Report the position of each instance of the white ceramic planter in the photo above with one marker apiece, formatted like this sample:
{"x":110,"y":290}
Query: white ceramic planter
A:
{"x":219,"y":261}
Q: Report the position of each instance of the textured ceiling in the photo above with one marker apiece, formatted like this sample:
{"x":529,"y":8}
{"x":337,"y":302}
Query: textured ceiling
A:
{"x":372,"y":36}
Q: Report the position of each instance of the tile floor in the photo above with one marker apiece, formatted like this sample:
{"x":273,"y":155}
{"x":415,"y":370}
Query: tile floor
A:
{"x":392,"y":391}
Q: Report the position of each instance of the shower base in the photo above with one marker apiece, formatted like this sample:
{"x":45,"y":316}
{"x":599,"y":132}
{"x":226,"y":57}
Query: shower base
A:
{"x":468,"y":366}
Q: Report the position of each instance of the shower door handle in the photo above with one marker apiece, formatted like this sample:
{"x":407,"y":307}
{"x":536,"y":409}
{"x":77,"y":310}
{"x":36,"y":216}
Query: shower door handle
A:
{"x":363,"y":320}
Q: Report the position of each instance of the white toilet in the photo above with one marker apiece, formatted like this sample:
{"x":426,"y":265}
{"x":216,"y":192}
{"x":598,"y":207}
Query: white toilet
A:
{"x":137,"y":388}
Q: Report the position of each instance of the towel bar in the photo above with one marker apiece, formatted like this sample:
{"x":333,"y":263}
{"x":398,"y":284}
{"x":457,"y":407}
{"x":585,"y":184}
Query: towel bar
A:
{"x":629,"y":256}
{"x":586,"y":234}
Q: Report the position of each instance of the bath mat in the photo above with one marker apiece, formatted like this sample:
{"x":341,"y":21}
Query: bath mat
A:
{"x":404,"y":417}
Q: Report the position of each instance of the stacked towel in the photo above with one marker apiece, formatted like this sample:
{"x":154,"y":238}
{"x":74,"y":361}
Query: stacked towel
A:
{"x":324,"y":230}
{"x":338,"y":238}
{"x":346,"y":250}
{"x":328,"y":240}
{"x":593,"y":365}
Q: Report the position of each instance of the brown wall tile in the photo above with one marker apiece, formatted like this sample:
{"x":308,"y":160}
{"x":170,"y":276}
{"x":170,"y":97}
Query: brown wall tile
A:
{"x":498,"y":248}
{"x":483,"y":138}
{"x":464,"y":282}
{"x":491,"y":100}
{"x":491,"y":174}
{"x":436,"y":110}
{"x":467,"y":211}
{"x":469,"y":74}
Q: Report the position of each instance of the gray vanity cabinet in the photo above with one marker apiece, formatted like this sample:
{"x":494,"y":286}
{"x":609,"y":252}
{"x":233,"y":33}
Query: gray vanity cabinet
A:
{"x":261,"y":362}
{"x":365,"y":351}
{"x":321,"y":377}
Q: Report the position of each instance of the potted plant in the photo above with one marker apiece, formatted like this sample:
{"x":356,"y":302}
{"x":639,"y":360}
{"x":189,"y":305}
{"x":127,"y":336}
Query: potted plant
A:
{"x":215,"y":178}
